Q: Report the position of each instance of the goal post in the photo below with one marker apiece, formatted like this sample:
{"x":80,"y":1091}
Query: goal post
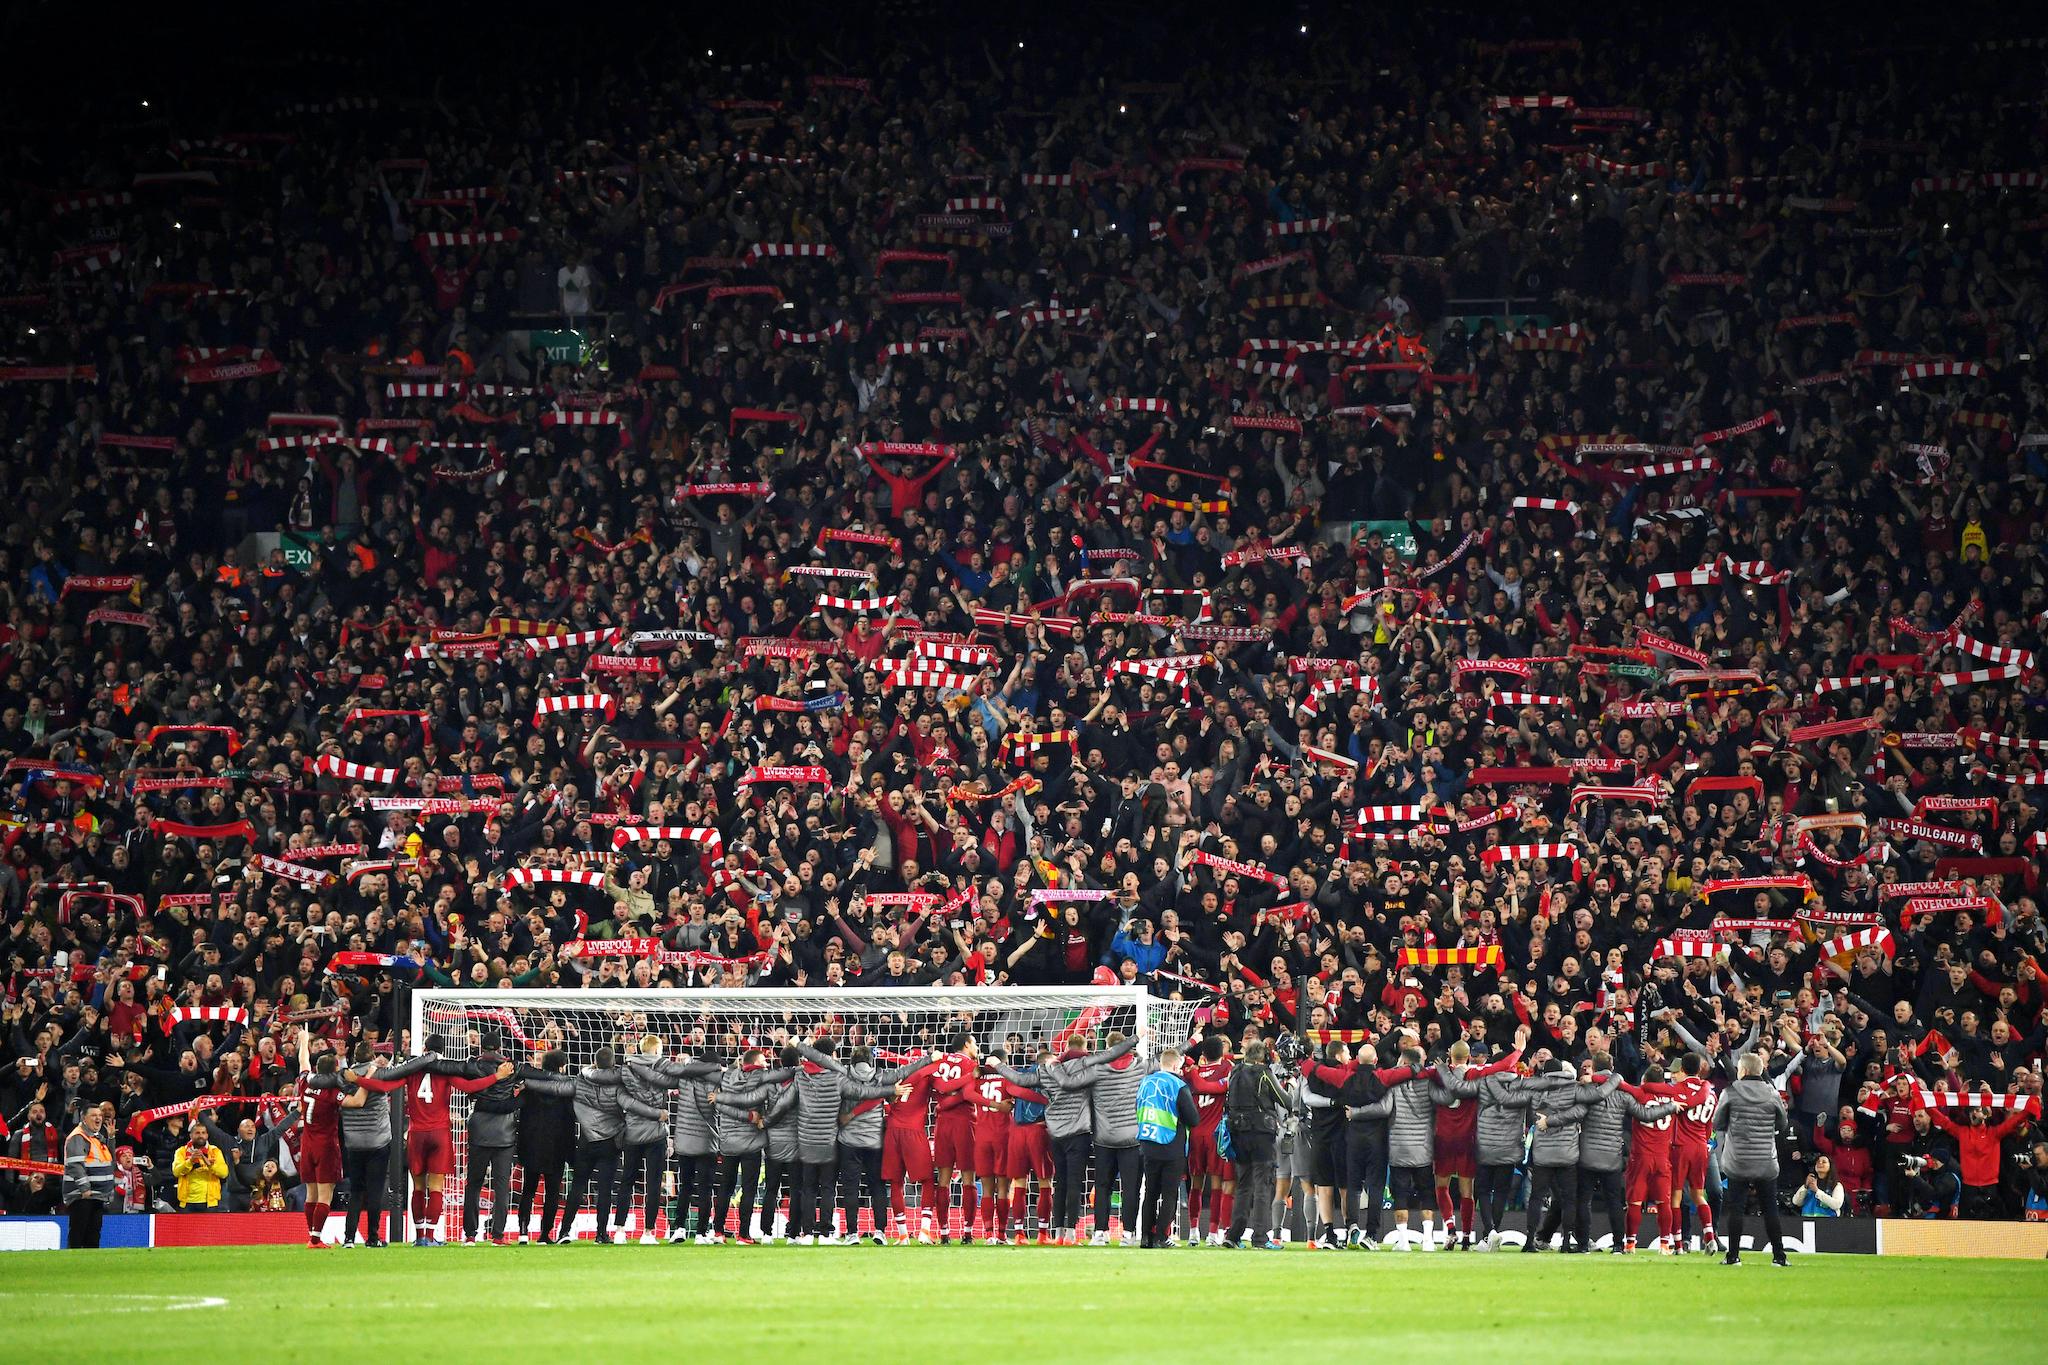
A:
{"x":720,"y":1024}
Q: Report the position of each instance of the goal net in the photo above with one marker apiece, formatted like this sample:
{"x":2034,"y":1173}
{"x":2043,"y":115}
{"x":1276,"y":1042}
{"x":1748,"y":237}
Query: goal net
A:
{"x":719,"y":1024}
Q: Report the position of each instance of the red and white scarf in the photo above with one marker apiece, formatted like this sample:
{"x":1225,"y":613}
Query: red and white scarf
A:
{"x":581,"y":701}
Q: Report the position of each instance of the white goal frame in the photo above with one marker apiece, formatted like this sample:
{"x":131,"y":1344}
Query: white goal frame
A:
{"x":995,"y":1011}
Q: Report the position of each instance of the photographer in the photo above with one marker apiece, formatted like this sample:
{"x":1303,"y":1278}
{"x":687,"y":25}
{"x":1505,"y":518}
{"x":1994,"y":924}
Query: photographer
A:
{"x":2033,"y":1166}
{"x":1927,"y":1171}
{"x":201,"y":1168}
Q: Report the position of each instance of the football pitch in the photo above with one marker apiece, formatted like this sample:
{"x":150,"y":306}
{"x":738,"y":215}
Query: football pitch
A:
{"x":928,"y":1304}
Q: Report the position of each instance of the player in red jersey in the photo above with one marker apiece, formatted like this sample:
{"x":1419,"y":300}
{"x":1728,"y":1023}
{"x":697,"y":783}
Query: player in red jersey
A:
{"x":1211,"y":1179}
{"x":1695,"y":1123}
{"x":953,"y":1081}
{"x":992,"y":1146}
{"x":429,"y":1143}
{"x":1456,"y":1145}
{"x":319,"y":1135}
{"x":907,"y":1151}
{"x":1649,"y":1177}
{"x":1030,"y":1151}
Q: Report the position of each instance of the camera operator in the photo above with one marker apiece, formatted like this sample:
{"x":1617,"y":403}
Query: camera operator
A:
{"x":2033,"y":1166}
{"x":1927,"y":1169}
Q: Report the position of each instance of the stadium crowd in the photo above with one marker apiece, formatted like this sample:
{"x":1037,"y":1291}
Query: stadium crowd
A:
{"x":1501,"y":555}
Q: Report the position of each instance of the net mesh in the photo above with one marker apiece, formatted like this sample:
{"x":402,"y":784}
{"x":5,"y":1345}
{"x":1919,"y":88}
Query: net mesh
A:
{"x":717,"y":1025}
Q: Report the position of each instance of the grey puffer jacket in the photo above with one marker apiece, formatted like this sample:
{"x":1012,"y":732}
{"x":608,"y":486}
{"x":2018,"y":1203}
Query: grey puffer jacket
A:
{"x":1557,"y":1101}
{"x":821,"y":1092}
{"x":781,"y":1119}
{"x":601,"y":1104}
{"x":695,"y":1117}
{"x":1754,"y":1119}
{"x":1502,"y":1130}
{"x":862,"y":1127}
{"x":1113,"y":1099}
{"x":1603,"y":1138}
{"x":1064,"y":1083}
{"x":742,"y":1092}
{"x":1411,"y":1131}
{"x":368,"y":1125}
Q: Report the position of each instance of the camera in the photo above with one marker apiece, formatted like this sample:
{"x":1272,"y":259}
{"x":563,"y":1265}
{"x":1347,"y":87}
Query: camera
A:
{"x":1914,"y":1164}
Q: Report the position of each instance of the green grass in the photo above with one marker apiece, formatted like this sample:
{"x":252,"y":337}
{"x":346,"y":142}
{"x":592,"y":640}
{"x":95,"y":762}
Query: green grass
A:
{"x":932,"y":1304}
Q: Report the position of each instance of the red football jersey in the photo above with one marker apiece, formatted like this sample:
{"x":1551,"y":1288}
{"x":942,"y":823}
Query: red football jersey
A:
{"x":914,"y":1111}
{"x":426,"y":1102}
{"x":320,"y":1114}
{"x":1457,"y":1122}
{"x":1209,"y":1081}
{"x":1652,"y":1141}
{"x":953,"y":1082}
{"x":1695,"y":1116}
{"x":991,"y":1101}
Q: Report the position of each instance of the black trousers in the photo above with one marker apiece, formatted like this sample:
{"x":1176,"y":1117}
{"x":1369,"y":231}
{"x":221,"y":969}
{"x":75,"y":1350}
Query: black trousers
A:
{"x":533,"y":1177}
{"x":1496,"y":1188}
{"x":85,"y":1217}
{"x":1609,"y":1185}
{"x":640,"y":1161}
{"x":1553,"y":1199}
{"x":1163,"y":1175}
{"x":811,"y":1209}
{"x":1117,"y":1168}
{"x":857,"y":1164}
{"x":496,"y":1162}
{"x":367,"y":1170}
{"x":1070,"y":1178}
{"x":743,"y":1170}
{"x":1365,"y":1178}
{"x":1254,"y":1205}
{"x":1735,"y":1208}
{"x":778,"y":1180}
{"x":696,"y":1188}
{"x":598,"y":1158}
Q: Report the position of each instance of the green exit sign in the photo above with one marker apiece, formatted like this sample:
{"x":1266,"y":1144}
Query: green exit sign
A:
{"x":298,"y":551}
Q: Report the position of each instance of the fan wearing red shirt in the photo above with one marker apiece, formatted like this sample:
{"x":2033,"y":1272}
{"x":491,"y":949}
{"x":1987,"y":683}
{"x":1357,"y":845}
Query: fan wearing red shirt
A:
{"x":429,"y":1143}
{"x":319,"y":1137}
{"x":992,"y":1146}
{"x":953,"y":1081}
{"x":1695,"y":1123}
{"x":1649,"y":1177}
{"x":1211,"y":1179}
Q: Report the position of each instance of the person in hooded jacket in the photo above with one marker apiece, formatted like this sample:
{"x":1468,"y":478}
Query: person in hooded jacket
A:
{"x":860,"y":1139}
{"x":1559,"y":1109}
{"x":547,"y":1140}
{"x":746,"y":1092}
{"x":1254,"y":1104}
{"x":649,"y":1078}
{"x":1752,"y":1119}
{"x":1603,"y":1149}
{"x":601,"y":1111}
{"x":823,"y":1090}
{"x":493,"y":1143}
{"x":779,"y":1114}
{"x":1112,"y":1088}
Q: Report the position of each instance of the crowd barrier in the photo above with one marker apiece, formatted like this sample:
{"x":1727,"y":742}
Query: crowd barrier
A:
{"x":1803,"y":1236}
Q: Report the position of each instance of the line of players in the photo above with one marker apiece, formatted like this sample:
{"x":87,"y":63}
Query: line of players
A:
{"x":1456,"y":1132}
